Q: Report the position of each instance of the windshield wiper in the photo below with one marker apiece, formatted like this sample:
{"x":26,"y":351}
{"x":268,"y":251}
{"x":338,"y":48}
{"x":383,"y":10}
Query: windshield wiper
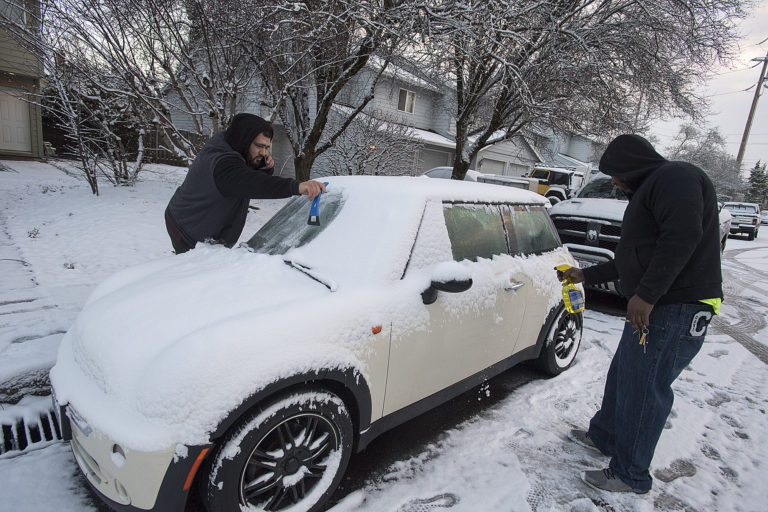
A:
{"x":328,"y":283}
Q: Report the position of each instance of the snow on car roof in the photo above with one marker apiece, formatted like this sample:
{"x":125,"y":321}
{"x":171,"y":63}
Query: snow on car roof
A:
{"x":450,"y":190}
{"x":351,"y":252}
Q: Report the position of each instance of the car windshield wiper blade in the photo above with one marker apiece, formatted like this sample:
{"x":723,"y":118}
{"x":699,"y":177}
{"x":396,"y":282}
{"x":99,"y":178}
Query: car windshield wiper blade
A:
{"x":328,"y":283}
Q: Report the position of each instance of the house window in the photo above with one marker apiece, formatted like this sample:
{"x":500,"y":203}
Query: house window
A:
{"x":405,"y":101}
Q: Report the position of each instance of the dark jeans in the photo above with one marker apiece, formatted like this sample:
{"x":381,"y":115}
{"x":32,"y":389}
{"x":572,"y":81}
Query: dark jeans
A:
{"x":638,"y":388}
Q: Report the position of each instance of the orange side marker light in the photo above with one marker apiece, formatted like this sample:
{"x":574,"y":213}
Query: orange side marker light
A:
{"x":376,"y":330}
{"x":195,"y":466}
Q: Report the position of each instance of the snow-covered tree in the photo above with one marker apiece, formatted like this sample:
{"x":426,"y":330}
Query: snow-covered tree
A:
{"x":308,"y":52}
{"x":373,"y":145}
{"x":706,"y":148}
{"x":586,"y":66}
{"x":172,"y":59}
{"x":758,"y":185}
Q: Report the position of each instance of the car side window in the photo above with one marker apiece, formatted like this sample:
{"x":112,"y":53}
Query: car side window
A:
{"x":432,"y":244}
{"x":475,"y":231}
{"x":530,"y":229}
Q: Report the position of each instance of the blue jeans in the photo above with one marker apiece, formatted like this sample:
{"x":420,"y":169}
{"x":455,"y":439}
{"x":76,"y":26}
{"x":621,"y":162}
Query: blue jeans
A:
{"x":638,"y":388}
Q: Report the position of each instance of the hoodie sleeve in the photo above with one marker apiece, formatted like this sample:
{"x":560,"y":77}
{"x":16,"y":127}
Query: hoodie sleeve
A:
{"x":602,"y":273}
{"x":677,"y":205}
{"x":234,"y":178}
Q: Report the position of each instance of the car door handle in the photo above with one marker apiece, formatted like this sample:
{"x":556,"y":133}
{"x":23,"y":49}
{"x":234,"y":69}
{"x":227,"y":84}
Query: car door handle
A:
{"x":513,"y":286}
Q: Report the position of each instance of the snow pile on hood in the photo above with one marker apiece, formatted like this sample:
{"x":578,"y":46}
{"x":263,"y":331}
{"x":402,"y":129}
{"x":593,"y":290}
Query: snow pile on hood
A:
{"x":591,"y":209}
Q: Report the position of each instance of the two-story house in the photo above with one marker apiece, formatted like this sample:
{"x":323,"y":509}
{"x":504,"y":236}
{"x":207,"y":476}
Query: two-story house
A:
{"x":21,"y":127}
{"x":426,"y":107}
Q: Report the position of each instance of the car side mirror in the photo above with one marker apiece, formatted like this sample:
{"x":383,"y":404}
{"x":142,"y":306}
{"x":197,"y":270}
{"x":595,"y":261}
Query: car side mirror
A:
{"x":429,"y":295}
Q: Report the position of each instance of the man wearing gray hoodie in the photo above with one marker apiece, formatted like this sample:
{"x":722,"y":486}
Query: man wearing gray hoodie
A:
{"x":668,"y":263}
{"x":233,"y":167}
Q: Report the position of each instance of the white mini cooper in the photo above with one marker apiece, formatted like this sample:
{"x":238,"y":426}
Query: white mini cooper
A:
{"x":253,"y":373}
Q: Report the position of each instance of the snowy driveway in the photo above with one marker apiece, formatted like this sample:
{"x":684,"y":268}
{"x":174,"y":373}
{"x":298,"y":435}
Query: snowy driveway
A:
{"x":509,"y":453}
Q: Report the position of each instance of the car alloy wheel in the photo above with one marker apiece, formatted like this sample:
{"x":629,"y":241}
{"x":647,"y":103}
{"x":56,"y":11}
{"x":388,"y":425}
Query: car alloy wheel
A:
{"x":291,"y":454}
{"x":561,"y":342}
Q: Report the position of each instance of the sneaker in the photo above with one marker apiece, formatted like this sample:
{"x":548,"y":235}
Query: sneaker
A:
{"x":606,"y":480}
{"x":580,"y":436}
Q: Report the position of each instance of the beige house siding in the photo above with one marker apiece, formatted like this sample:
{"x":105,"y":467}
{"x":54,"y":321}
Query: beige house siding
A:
{"x":20,"y":74}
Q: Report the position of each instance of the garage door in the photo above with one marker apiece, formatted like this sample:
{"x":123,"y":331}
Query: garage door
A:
{"x":431,"y":158}
{"x":489,"y":166}
{"x":14,"y":123}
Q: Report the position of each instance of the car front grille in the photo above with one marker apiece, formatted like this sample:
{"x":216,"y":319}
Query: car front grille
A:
{"x":603,"y":234}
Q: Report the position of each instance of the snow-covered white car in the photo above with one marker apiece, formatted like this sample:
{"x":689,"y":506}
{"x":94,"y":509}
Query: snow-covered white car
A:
{"x":445,"y":172}
{"x":253,"y":373}
{"x":589,"y":224}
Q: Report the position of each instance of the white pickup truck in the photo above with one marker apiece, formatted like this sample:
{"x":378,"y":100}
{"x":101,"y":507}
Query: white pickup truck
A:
{"x":746,"y":218}
{"x":589,"y":224}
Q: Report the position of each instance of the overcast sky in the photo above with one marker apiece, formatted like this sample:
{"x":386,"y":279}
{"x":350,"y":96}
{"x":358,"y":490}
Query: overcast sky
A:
{"x":730,"y":102}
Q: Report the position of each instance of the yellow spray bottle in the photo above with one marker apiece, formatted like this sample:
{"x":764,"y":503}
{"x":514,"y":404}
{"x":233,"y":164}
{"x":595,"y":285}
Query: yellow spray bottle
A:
{"x":573,"y":297}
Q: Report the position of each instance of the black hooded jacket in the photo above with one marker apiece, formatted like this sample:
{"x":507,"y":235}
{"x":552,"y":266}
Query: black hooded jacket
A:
{"x":669,"y":251}
{"x":212,"y":202}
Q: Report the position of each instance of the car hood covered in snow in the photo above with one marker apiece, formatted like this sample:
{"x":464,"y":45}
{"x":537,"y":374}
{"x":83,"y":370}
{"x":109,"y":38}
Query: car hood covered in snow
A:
{"x":170,"y":347}
{"x":591,"y":208}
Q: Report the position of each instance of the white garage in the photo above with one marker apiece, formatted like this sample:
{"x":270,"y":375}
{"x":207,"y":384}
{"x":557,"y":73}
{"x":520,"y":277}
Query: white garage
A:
{"x":433,"y":158}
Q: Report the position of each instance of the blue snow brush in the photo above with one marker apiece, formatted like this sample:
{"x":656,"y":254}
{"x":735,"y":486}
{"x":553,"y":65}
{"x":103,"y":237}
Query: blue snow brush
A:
{"x":314,"y":210}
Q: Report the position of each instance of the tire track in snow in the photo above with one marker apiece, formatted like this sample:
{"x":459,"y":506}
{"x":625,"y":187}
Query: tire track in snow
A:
{"x":29,"y":333}
{"x":738,"y":277}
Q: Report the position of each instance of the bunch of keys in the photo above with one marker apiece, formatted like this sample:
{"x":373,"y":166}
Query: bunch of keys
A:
{"x":642,"y":334}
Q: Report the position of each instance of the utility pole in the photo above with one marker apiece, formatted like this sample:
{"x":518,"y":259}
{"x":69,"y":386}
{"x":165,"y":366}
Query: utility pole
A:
{"x":751,"y":115}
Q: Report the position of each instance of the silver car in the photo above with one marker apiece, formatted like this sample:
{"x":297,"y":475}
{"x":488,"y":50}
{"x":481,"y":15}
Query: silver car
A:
{"x":254,"y":373}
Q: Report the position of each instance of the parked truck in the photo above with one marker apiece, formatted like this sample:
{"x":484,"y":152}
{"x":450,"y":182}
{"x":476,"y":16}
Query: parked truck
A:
{"x":557,"y":183}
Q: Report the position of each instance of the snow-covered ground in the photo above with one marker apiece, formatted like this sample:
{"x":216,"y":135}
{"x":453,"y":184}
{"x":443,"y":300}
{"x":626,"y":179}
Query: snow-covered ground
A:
{"x":57,"y":241}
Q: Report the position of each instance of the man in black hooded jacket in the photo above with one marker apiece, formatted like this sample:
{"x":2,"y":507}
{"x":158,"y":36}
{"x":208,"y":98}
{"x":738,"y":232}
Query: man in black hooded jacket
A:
{"x":668,"y":263}
{"x":233,"y":167}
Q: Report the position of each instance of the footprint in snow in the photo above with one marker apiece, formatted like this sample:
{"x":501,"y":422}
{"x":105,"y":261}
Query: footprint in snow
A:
{"x":446,"y":500}
{"x":668,"y":502}
{"x":729,"y":473}
{"x":678,"y":468}
{"x":731,"y":421}
{"x":718,"y":399}
{"x":710,"y":452}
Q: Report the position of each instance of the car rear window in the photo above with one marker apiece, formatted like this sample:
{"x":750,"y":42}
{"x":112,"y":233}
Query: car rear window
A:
{"x":475,"y":231}
{"x":741,"y":208}
{"x":530,"y":229}
{"x":601,"y":188}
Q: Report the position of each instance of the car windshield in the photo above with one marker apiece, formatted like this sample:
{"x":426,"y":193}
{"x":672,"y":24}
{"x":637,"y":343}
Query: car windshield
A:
{"x":289,"y":229}
{"x":601,"y":188}
{"x":741,"y":208}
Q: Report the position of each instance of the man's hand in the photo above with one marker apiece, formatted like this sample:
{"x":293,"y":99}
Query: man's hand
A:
{"x":639,"y":313}
{"x":575,"y":275}
{"x":267,"y":162}
{"x":311,"y":188}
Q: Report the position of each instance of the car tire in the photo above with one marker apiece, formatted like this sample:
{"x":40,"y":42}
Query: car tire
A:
{"x":751,"y":235}
{"x":562,"y":338}
{"x":290,"y":454}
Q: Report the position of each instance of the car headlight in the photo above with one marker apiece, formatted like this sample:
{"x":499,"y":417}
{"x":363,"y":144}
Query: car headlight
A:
{"x":79,"y":421}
